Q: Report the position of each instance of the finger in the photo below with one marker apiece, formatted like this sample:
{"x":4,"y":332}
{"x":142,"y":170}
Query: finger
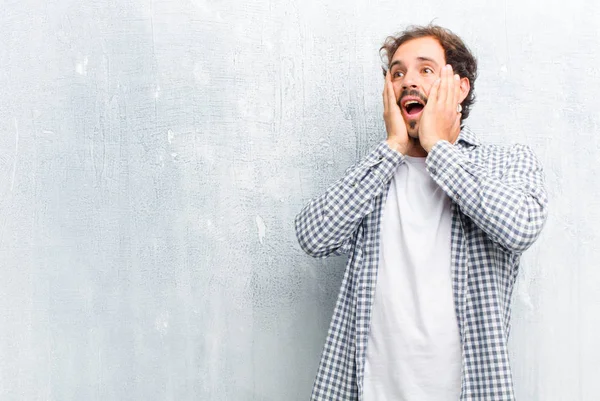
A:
{"x":385,"y":90}
{"x":443,"y":91}
{"x":391,"y":96}
{"x":433,"y":92}
{"x":451,"y":89}
{"x":456,"y":99}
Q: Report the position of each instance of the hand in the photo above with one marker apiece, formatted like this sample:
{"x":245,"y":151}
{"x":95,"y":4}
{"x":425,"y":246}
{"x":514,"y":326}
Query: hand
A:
{"x":440,"y":119}
{"x":397,"y":136}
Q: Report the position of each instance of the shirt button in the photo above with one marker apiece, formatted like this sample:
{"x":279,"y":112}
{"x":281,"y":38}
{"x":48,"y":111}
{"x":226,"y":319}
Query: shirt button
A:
{"x":433,"y":170}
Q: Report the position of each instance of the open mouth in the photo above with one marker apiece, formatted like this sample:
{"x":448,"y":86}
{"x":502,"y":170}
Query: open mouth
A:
{"x":412,"y":107}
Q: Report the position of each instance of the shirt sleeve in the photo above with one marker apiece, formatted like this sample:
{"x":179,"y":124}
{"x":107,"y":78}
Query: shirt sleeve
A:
{"x":329,"y":223}
{"x":511,"y":209}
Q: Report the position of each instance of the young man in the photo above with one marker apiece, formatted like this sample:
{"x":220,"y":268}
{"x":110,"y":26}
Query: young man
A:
{"x":434,"y":223}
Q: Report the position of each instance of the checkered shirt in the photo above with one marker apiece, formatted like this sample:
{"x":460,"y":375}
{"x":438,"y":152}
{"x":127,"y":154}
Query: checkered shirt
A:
{"x":499,"y":206}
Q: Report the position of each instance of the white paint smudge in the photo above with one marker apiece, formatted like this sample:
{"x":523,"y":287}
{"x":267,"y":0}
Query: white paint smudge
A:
{"x":170,"y":136}
{"x":161,"y":323}
{"x":503,"y":71}
{"x":81,"y":66}
{"x":261,"y":228}
{"x":157,"y":92}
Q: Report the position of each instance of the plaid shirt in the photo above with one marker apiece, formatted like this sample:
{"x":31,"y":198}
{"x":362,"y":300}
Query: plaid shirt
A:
{"x":499,"y":206}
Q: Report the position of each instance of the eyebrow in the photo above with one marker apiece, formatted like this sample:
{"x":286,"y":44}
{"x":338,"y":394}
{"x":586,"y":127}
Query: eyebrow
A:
{"x":421,"y":59}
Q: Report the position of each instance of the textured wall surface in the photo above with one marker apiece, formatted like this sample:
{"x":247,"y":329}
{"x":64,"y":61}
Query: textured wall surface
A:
{"x":153,"y":155}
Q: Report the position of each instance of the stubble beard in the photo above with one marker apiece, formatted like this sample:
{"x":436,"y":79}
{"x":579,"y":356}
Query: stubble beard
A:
{"x":412,"y":129}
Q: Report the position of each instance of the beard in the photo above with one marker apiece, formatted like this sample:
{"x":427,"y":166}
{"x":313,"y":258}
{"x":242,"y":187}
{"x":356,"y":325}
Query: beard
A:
{"x":412,"y":128}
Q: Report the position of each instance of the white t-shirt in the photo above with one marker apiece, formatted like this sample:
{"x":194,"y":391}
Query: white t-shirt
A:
{"x":414,"y":352}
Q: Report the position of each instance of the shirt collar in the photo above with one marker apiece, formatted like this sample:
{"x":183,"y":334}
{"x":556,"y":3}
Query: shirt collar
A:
{"x":467,"y":136}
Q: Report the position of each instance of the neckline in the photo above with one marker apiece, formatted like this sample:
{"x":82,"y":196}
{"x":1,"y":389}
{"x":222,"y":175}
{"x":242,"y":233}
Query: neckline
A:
{"x":414,"y":159}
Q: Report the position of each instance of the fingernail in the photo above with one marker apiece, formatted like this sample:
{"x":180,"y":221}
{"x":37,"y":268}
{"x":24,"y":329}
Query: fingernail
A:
{"x":456,"y":77}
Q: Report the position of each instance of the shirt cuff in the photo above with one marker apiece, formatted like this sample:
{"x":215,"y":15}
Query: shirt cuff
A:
{"x":445,"y":163}
{"x":381,"y":161}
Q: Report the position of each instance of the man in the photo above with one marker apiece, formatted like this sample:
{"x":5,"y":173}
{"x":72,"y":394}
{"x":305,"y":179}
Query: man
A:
{"x":434,"y":223}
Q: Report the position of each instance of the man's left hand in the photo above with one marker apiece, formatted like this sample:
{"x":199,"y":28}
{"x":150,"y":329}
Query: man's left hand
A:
{"x":441,"y":119}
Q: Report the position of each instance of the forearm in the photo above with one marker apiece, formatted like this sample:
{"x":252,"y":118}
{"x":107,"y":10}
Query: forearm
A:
{"x":510,"y":209}
{"x":327,"y":223}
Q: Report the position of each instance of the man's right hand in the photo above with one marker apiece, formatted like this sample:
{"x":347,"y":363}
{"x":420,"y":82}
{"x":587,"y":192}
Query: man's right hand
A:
{"x":397,"y":136}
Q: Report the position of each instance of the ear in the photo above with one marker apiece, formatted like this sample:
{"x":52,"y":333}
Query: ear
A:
{"x":465,"y":87}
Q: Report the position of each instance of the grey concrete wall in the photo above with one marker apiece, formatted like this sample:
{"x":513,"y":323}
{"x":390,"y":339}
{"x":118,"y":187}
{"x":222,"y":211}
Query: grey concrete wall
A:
{"x":153,"y":155}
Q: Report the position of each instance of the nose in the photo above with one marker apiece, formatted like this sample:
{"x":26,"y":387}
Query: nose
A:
{"x":410,"y":80}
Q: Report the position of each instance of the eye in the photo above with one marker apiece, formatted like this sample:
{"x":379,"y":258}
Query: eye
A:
{"x":427,"y":70}
{"x":398,"y":74}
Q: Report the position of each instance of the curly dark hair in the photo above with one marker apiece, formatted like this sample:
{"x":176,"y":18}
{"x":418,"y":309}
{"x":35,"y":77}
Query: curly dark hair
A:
{"x":457,"y":54}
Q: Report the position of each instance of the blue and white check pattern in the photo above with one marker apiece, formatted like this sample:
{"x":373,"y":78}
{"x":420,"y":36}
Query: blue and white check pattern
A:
{"x":499,"y":206}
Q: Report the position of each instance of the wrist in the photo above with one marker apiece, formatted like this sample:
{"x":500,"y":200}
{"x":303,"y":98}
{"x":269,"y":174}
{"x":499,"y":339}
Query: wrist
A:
{"x":429,"y":145}
{"x":397,"y":146}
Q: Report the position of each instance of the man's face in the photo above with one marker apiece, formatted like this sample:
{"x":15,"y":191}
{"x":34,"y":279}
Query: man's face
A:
{"x":414,"y":68}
